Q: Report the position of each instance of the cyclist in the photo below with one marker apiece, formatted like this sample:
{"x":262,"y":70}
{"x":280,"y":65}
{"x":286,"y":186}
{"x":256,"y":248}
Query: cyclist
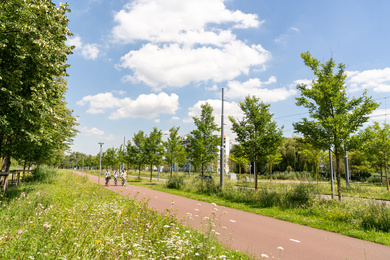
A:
{"x":123,"y":175}
{"x":116,"y":175}
{"x":108,"y":176}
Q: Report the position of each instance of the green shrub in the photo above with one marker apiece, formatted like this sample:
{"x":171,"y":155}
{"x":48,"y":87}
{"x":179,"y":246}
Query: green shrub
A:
{"x":175,"y":182}
{"x":300,"y":196}
{"x":44,"y":173}
{"x":269,"y":198}
{"x":377,"y":217}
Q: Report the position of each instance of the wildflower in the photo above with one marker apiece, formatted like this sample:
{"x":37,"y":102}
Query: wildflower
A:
{"x":47,"y":226}
{"x":214,"y":204}
{"x":23,"y":195}
{"x":280,"y":248}
{"x":264,"y":256}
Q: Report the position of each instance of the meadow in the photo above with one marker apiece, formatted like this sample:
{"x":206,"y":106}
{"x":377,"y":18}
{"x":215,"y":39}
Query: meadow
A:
{"x":64,"y":216}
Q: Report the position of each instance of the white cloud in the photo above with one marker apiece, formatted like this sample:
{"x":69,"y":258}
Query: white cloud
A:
{"x":173,"y":65}
{"x":146,"y":106}
{"x":91,"y":131}
{"x":179,"y":21}
{"x":255,"y":87}
{"x":377,"y":79}
{"x":99,"y":103}
{"x":175,"y":118}
{"x":75,"y":41}
{"x":88,"y":51}
{"x":186,"y":42}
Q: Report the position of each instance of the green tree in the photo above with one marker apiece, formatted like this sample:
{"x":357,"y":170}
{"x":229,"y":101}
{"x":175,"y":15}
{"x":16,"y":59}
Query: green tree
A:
{"x":237,"y":155}
{"x":136,"y":152}
{"x":256,"y":132}
{"x":378,"y":144}
{"x":154,"y":149}
{"x":333,"y":116}
{"x":174,"y":149}
{"x":273,"y":159}
{"x":110,"y":158}
{"x":203,"y":141}
{"x":33,"y":58}
{"x":311,"y":156}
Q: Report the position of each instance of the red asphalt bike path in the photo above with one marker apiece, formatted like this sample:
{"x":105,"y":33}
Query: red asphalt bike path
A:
{"x":256,"y":234}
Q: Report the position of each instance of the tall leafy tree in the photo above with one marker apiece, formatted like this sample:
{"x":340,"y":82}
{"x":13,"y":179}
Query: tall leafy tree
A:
{"x":174,"y":149}
{"x":377,"y":143}
{"x":203,"y":141}
{"x":154,"y":149}
{"x":258,"y":135}
{"x":33,"y":58}
{"x":136,"y":152}
{"x":333,"y":116}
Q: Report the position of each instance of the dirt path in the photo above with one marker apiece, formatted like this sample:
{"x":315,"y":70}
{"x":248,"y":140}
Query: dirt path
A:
{"x":258,"y":234}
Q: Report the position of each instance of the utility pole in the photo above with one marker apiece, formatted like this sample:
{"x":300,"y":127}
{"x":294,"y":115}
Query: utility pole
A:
{"x":331,"y":172}
{"x":222,"y":167}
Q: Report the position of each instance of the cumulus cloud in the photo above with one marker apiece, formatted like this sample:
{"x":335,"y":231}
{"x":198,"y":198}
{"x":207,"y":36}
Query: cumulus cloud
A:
{"x":174,"y":65}
{"x":91,"y":131}
{"x":377,"y":79}
{"x":187,"y":42}
{"x":88,"y":51}
{"x":255,"y":87}
{"x":179,"y":21}
{"x":146,"y":106}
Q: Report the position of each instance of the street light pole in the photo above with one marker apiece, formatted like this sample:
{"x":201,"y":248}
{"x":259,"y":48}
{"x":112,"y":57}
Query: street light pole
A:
{"x":222,"y":147}
{"x":100,"y":162}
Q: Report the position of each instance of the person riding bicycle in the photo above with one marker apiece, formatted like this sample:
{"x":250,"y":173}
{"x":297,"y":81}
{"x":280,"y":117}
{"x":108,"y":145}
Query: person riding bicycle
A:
{"x":116,"y":175}
{"x":123,"y":176}
{"x":108,"y":176}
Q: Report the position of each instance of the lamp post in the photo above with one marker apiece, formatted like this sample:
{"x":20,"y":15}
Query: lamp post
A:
{"x":100,"y":162}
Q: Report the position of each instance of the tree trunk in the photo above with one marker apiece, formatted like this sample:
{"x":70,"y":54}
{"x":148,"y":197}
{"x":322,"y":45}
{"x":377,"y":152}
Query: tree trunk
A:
{"x":6,"y":163}
{"x":151,"y":172}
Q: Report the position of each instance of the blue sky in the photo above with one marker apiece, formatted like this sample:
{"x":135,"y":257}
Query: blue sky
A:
{"x":141,"y":64}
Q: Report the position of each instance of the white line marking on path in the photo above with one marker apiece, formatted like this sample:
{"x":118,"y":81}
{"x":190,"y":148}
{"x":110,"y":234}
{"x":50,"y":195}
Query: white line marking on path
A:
{"x":196,"y":209}
{"x":232,"y":221}
{"x":297,"y":241}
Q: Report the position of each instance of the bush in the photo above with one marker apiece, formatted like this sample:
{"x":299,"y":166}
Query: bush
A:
{"x":207,"y":186}
{"x":377,"y":217}
{"x":299,"y":196}
{"x":44,"y":173}
{"x":175,"y":182}
{"x":269,"y":198}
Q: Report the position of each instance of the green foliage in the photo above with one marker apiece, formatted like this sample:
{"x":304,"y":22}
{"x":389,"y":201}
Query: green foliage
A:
{"x":203,"y":142}
{"x":176,"y":181}
{"x":44,"y":173}
{"x":333,"y":116}
{"x":154,"y":149}
{"x":34,"y":119}
{"x":256,"y":132}
{"x":377,"y":217}
{"x":300,"y":196}
{"x":174,"y":149}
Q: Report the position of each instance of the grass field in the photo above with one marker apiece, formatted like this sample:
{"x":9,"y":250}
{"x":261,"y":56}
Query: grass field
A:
{"x":68,"y":217}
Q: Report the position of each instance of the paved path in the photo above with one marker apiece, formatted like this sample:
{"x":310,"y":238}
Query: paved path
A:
{"x":258,"y":234}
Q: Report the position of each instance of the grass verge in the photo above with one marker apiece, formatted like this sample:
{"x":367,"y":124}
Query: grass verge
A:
{"x":72,"y":218}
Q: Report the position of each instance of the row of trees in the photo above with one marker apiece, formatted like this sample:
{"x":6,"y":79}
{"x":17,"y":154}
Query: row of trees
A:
{"x":35,"y":123}
{"x":333,"y":125}
{"x":200,"y":147}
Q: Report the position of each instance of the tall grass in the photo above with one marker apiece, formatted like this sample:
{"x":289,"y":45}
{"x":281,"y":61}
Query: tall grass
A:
{"x":71,"y":218}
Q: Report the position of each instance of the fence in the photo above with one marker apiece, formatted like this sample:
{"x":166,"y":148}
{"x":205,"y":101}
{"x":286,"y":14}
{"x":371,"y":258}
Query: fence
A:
{"x":4,"y":179}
